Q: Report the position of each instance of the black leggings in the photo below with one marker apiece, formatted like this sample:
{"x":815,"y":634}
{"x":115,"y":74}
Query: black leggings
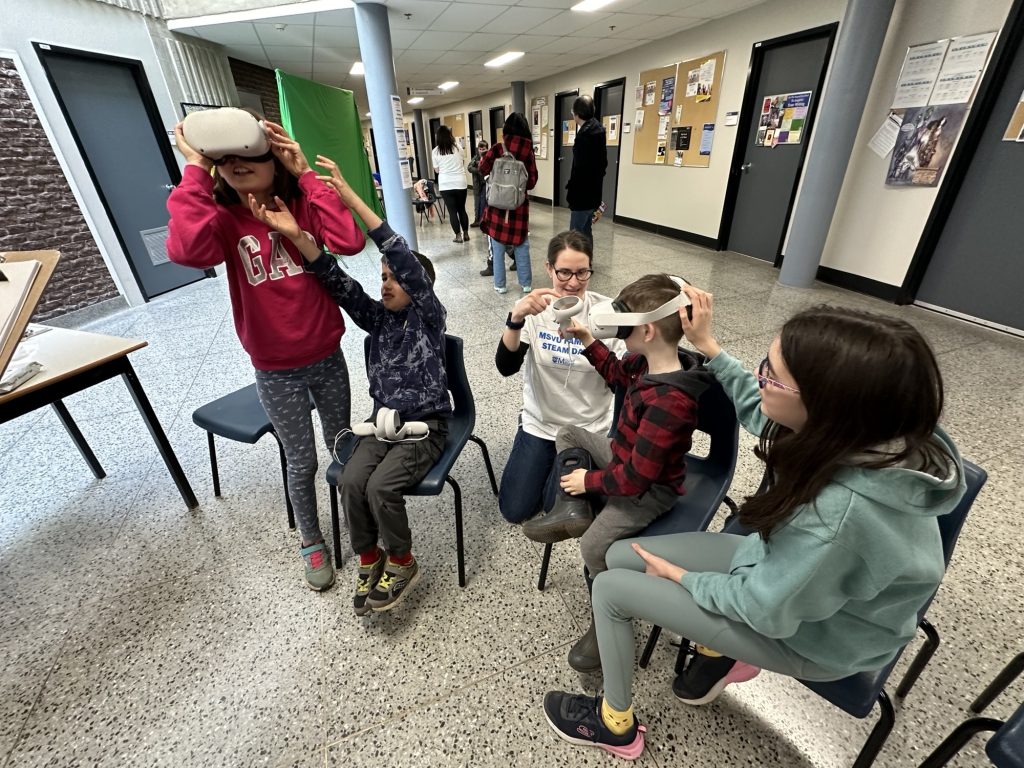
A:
{"x":455,"y":202}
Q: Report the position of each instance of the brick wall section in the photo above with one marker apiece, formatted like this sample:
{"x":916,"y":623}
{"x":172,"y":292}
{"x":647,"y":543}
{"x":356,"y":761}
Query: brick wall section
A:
{"x":38,"y":211}
{"x":256,"y":79}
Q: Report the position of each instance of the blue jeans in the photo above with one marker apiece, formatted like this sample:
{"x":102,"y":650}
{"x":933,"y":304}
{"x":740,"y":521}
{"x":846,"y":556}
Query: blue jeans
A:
{"x":480,"y":198}
{"x":523,"y":270}
{"x":526,"y":477}
{"x":582,"y":221}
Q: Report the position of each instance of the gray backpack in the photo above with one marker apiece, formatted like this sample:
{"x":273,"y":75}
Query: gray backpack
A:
{"x":506,"y":186}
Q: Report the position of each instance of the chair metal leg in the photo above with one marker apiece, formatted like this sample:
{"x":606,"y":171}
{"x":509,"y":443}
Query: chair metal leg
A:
{"x":878,"y":735}
{"x":684,"y":649}
{"x":78,"y":439}
{"x":924,"y":655}
{"x":544,"y":567}
{"x":213,"y":464}
{"x":487,"y":463}
{"x":458,"y":529}
{"x":284,"y":478}
{"x":958,"y":739}
{"x":335,"y":527}
{"x":652,"y":641}
{"x":1010,"y":673}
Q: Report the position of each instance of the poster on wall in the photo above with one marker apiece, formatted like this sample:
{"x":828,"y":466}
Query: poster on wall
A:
{"x":612,"y":132}
{"x":782,"y":119}
{"x":668,"y":89}
{"x":660,"y":158}
{"x":692,"y":81}
{"x":921,"y":67}
{"x":649,"y":90}
{"x":926,"y":140}
{"x":706,"y":76}
{"x":678,"y":162}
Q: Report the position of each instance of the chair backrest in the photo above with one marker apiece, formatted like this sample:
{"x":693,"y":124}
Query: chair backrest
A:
{"x":951,"y":523}
{"x":463,"y":407}
{"x":1006,"y":747}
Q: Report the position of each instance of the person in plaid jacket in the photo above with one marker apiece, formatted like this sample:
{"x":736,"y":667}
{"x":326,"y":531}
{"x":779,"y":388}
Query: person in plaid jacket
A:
{"x":511,"y":227}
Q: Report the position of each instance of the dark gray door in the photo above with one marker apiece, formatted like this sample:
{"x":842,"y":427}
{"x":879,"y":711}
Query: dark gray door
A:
{"x":476,"y":125}
{"x":976,"y":269}
{"x":563,"y":151}
{"x":768,"y":175}
{"x":110,"y":111}
{"x":497,"y":122}
{"x":609,"y":102}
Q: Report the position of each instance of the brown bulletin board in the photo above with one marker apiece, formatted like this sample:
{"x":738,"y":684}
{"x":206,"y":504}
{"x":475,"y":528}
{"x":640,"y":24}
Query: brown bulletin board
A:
{"x":645,"y":137}
{"x":460,"y":130}
{"x":697,"y":109}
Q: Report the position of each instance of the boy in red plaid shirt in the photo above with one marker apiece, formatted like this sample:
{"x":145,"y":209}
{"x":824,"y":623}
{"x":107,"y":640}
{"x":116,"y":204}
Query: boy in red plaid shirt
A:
{"x":642,"y":469}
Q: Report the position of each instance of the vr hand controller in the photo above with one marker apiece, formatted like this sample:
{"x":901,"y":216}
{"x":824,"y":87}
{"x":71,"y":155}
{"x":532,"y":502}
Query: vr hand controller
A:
{"x":227,"y":132}
{"x":566,"y":308}
{"x":390,"y":429}
{"x":615,"y":320}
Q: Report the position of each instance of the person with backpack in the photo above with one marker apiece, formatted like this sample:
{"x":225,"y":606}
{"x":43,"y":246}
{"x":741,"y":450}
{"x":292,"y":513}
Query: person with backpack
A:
{"x":512,"y":172}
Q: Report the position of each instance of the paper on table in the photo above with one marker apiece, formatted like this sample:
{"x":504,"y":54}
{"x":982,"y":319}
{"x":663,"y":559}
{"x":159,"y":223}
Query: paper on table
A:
{"x":885,"y":137}
{"x":14,"y":291}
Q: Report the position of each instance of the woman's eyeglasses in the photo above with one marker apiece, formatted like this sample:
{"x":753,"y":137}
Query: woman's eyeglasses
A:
{"x":580,"y":274}
{"x":762,"y":380}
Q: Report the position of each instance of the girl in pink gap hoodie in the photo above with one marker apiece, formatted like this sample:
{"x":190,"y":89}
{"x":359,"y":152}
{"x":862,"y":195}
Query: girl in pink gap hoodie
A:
{"x":285,"y":320}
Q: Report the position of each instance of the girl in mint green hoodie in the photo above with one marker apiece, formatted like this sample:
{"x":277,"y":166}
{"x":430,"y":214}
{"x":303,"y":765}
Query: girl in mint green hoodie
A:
{"x":845,"y":546}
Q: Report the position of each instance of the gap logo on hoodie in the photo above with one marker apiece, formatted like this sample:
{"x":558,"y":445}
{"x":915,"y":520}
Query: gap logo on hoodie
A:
{"x":252,"y":259}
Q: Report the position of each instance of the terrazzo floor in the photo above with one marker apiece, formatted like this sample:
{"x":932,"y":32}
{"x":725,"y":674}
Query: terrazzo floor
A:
{"x":137,"y":633}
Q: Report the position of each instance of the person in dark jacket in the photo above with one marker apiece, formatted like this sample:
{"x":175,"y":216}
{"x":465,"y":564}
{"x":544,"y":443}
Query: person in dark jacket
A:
{"x":406,"y":373}
{"x":589,"y":163}
{"x":511,"y":227}
{"x":479,"y":183}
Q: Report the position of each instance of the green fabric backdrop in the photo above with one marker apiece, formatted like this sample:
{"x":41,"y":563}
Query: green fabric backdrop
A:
{"x":324,"y":121}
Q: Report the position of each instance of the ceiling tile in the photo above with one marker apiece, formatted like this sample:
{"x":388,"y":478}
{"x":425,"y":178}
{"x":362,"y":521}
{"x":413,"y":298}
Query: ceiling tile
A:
{"x":570,"y":21}
{"x":621,"y":22}
{"x":242,"y":33}
{"x":418,"y":56}
{"x":520,"y":19}
{"x":422,"y":13}
{"x":714,"y":9}
{"x":571,"y":44}
{"x":292,"y":34}
{"x":289,"y":52}
{"x":487,"y":42}
{"x":457,"y":57}
{"x":440,"y":41}
{"x":404,"y":38}
{"x":251,"y":53}
{"x":530,"y":43}
{"x":336,"y":37}
{"x":661,"y":27}
{"x":334,"y":55}
{"x":563,"y":4}
{"x":346,"y":17}
{"x":467,"y":17}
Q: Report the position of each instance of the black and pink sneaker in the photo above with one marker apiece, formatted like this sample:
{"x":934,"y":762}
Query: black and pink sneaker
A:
{"x":705,"y":677}
{"x":577,"y":719}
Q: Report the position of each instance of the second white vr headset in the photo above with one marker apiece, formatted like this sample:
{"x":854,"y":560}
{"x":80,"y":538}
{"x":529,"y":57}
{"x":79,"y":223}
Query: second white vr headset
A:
{"x":389,"y":427}
{"x":615,"y":320}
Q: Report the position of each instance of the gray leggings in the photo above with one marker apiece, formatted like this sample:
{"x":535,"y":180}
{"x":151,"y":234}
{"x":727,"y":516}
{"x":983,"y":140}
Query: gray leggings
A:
{"x":624,"y":591}
{"x":285,"y":397}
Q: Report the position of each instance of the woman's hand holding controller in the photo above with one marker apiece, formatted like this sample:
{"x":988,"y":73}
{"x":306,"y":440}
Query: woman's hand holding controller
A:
{"x":532,"y":303}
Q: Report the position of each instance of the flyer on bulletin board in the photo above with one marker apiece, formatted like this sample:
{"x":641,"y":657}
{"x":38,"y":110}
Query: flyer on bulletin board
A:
{"x":707,"y":136}
{"x":668,"y":87}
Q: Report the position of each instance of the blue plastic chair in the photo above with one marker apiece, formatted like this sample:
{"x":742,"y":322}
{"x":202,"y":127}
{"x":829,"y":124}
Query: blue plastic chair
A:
{"x":707,"y":478}
{"x":1006,"y":748}
{"x":460,"y":431}
{"x":240,"y":416}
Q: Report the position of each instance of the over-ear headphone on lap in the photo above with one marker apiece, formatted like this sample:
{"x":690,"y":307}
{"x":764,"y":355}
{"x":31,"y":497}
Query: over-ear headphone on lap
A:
{"x":389,"y":427}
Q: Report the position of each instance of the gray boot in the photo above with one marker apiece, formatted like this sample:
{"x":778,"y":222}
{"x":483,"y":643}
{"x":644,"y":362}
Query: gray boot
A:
{"x":570,"y":516}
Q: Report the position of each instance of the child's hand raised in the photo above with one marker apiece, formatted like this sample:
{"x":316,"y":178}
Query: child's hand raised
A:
{"x":577,"y":330}
{"x":192,"y":156}
{"x":334,"y":179}
{"x":532,"y":303}
{"x":282,"y":219}
{"x":698,"y":329}
{"x":286,"y":149}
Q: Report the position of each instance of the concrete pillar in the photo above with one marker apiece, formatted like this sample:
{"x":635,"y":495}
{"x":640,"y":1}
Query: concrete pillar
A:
{"x":374,"y":33}
{"x":518,"y":97}
{"x":421,"y":143}
{"x":861,"y":36}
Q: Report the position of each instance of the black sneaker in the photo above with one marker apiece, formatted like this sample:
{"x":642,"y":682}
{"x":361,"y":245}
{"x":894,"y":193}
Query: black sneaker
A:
{"x":705,"y":677}
{"x":576,"y":718}
{"x":394,"y":585}
{"x":366,"y":582}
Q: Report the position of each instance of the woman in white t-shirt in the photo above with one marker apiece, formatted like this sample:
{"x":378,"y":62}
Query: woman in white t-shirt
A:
{"x":451,"y":181}
{"x":559,"y":386}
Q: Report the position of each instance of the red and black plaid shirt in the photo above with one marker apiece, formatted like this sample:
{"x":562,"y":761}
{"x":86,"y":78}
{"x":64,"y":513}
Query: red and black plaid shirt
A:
{"x":510,"y":227}
{"x":655,"y":428}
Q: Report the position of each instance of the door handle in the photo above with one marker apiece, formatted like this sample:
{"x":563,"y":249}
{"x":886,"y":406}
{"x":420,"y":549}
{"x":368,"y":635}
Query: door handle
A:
{"x":169,"y":187}
{"x":746,"y":167}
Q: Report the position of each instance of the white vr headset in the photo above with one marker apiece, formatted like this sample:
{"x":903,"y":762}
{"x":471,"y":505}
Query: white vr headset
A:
{"x":615,"y":320}
{"x":389,"y":427}
{"x":227,"y":132}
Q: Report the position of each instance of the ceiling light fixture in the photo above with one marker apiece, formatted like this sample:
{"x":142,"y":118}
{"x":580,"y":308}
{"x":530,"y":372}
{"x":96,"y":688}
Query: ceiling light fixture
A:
{"x":260,"y":14}
{"x":357,"y":69}
{"x":588,"y":6}
{"x":415,"y":100}
{"x":505,"y":58}
{"x":448,"y":85}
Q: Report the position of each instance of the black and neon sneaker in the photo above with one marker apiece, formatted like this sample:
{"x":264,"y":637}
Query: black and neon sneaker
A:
{"x":576,"y":718}
{"x":366,"y":581}
{"x":393,"y":585}
{"x":705,"y":677}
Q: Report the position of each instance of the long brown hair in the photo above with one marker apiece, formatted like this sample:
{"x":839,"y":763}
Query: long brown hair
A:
{"x":445,"y":140}
{"x":866,"y":380}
